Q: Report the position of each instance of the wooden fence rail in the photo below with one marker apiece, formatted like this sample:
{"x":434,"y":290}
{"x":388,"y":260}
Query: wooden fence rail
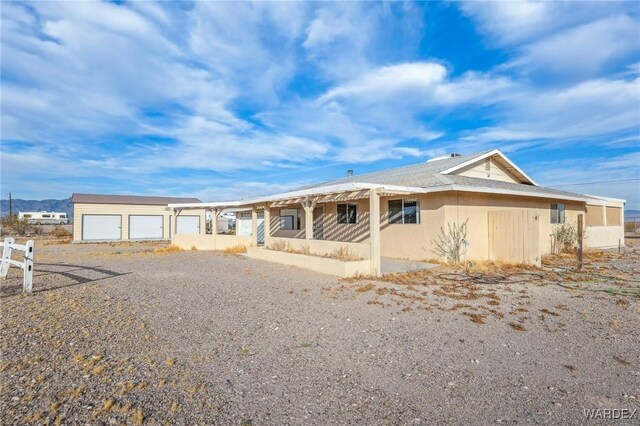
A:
{"x":26,"y":265}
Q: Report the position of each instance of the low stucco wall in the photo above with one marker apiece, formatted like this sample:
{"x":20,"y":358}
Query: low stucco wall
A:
{"x":323,"y":265}
{"x":604,"y":236}
{"x":323,"y":247}
{"x":209,"y":242}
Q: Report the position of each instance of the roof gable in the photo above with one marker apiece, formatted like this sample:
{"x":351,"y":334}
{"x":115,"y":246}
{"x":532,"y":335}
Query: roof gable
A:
{"x":504,"y":161}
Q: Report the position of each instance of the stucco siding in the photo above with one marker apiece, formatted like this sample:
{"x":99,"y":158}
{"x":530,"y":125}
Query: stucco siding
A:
{"x":495,"y":171}
{"x":125,"y":210}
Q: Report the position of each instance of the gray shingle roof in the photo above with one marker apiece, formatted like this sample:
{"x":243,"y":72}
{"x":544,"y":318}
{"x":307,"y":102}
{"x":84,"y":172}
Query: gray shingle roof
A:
{"x":421,"y":174}
{"x":428,"y":174}
{"x":129,"y":199}
{"x":518,"y":187}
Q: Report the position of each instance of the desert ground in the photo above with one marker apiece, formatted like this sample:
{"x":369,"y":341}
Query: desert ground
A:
{"x":137,"y":333}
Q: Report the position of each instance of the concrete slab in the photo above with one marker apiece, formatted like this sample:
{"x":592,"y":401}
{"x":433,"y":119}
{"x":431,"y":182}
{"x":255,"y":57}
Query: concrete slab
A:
{"x":390,"y":265}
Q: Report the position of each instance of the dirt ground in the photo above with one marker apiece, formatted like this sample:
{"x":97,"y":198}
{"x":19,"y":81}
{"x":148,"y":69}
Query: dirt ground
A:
{"x":135,"y":333}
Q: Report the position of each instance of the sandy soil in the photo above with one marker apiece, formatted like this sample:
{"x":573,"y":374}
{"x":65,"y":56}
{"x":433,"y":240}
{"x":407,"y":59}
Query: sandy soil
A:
{"x":125,"y":334}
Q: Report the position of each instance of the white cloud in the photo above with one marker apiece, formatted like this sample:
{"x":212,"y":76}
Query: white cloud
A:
{"x":582,"y":51}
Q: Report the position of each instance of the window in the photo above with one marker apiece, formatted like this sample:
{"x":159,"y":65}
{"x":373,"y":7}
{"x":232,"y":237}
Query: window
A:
{"x":289,"y":219}
{"x":46,"y":215}
{"x":557,"y":213}
{"x":404,"y":211}
{"x":63,"y":216}
{"x":347,"y":213}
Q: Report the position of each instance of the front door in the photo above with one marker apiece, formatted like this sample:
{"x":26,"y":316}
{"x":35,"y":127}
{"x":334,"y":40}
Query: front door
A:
{"x":318,"y":223}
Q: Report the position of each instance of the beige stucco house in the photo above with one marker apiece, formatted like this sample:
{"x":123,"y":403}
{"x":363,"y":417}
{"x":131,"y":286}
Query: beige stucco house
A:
{"x":398,"y":213}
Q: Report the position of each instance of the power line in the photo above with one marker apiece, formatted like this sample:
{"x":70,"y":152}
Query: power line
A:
{"x":593,"y":183}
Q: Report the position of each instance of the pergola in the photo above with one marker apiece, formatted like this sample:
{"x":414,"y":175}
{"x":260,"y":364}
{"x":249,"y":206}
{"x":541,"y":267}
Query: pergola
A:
{"x":308,"y":199}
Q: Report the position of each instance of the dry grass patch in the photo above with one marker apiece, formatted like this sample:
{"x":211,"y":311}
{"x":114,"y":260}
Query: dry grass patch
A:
{"x":168,"y":249}
{"x":238,"y":249}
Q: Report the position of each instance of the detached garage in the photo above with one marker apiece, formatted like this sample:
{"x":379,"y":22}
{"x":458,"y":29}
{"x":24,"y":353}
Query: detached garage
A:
{"x":98,"y":217}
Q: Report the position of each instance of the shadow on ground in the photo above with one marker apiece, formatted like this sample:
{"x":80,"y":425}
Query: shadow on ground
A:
{"x":67,"y":275}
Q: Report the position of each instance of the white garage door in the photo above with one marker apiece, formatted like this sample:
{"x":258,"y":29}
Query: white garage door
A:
{"x":145,"y":227}
{"x":101,"y":227}
{"x":243,"y":224}
{"x":188,"y":225}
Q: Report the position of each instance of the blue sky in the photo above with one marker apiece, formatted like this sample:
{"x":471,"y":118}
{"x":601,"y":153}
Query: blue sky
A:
{"x":229,"y":100}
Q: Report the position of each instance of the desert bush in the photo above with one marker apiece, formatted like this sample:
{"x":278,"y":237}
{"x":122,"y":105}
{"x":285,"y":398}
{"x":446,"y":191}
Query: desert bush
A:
{"x":17,"y":226}
{"x":60,"y":232}
{"x":564,"y":237}
{"x":451,"y":243}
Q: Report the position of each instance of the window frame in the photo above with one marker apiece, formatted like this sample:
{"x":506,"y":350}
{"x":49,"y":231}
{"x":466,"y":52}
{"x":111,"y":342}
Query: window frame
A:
{"x":558,"y":213}
{"x":346,"y":214}
{"x":403,"y":212}
{"x":295,"y":219}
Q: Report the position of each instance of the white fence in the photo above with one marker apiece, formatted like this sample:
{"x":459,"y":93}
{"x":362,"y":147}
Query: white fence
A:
{"x":26,"y":265}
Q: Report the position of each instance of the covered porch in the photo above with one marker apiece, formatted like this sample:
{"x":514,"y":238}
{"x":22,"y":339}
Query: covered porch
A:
{"x":330,"y":226}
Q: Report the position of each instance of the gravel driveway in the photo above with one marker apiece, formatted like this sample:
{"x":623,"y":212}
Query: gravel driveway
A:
{"x":121,"y":333}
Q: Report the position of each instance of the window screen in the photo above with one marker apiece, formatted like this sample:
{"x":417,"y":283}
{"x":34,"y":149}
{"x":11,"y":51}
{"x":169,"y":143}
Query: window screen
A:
{"x":347,"y":213}
{"x":557,"y":213}
{"x":404,"y":211}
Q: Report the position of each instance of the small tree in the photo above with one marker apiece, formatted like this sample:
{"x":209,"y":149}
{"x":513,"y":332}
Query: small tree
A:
{"x":451,"y":243}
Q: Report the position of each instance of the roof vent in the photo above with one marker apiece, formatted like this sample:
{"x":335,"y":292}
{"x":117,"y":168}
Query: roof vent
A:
{"x":443,"y":157}
{"x":349,"y":173}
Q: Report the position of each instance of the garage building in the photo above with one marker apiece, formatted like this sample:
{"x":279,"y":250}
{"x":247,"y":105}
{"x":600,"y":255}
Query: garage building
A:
{"x":98,"y":217}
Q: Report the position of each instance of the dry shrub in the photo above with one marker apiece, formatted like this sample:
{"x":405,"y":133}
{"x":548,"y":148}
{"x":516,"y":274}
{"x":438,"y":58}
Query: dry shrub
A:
{"x":168,"y":249}
{"x":517,"y":326}
{"x":343,"y":253}
{"x":60,"y":232}
{"x":477,"y":318}
{"x":279,"y":245}
{"x":503,"y":266}
{"x":451,"y":244}
{"x":194,"y":248}
{"x":236,"y":249}
{"x":365,"y":288}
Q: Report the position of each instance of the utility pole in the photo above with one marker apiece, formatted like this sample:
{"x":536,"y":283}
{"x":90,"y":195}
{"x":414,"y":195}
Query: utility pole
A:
{"x":10,"y":209}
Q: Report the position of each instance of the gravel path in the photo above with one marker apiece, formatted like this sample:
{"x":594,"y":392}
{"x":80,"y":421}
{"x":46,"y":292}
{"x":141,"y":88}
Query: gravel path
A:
{"x":119,"y":333}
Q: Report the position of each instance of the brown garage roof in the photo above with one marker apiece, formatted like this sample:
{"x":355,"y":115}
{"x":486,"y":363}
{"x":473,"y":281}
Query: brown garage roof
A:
{"x":129,"y":199}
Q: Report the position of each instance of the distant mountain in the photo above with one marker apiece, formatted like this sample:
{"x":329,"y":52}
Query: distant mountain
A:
{"x":628,"y":214}
{"x":19,"y":205}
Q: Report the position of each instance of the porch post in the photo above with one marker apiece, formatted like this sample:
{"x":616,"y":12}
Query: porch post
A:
{"x":374,"y":231}
{"x":176,"y":212}
{"x":254,"y":226}
{"x":214,"y":227}
{"x":308,"y":205}
{"x":267,"y":225}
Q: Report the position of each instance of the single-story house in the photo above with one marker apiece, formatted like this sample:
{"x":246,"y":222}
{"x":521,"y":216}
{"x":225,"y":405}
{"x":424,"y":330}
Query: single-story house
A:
{"x":399,"y":213}
{"x":99,"y":217}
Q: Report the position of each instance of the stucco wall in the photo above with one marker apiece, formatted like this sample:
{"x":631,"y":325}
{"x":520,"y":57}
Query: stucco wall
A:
{"x":323,"y":247}
{"x":124,"y":210}
{"x":209,"y":242}
{"x":495,"y":172}
{"x":314,"y":263}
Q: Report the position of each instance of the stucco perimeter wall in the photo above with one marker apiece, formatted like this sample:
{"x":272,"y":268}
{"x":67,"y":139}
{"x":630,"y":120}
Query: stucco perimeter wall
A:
{"x":123,"y":210}
{"x":324,"y":247}
{"x":314,"y":263}
{"x":604,"y":236}
{"x":208,"y":242}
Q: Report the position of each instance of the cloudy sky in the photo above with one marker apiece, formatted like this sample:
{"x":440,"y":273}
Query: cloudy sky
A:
{"x":228,"y":100}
